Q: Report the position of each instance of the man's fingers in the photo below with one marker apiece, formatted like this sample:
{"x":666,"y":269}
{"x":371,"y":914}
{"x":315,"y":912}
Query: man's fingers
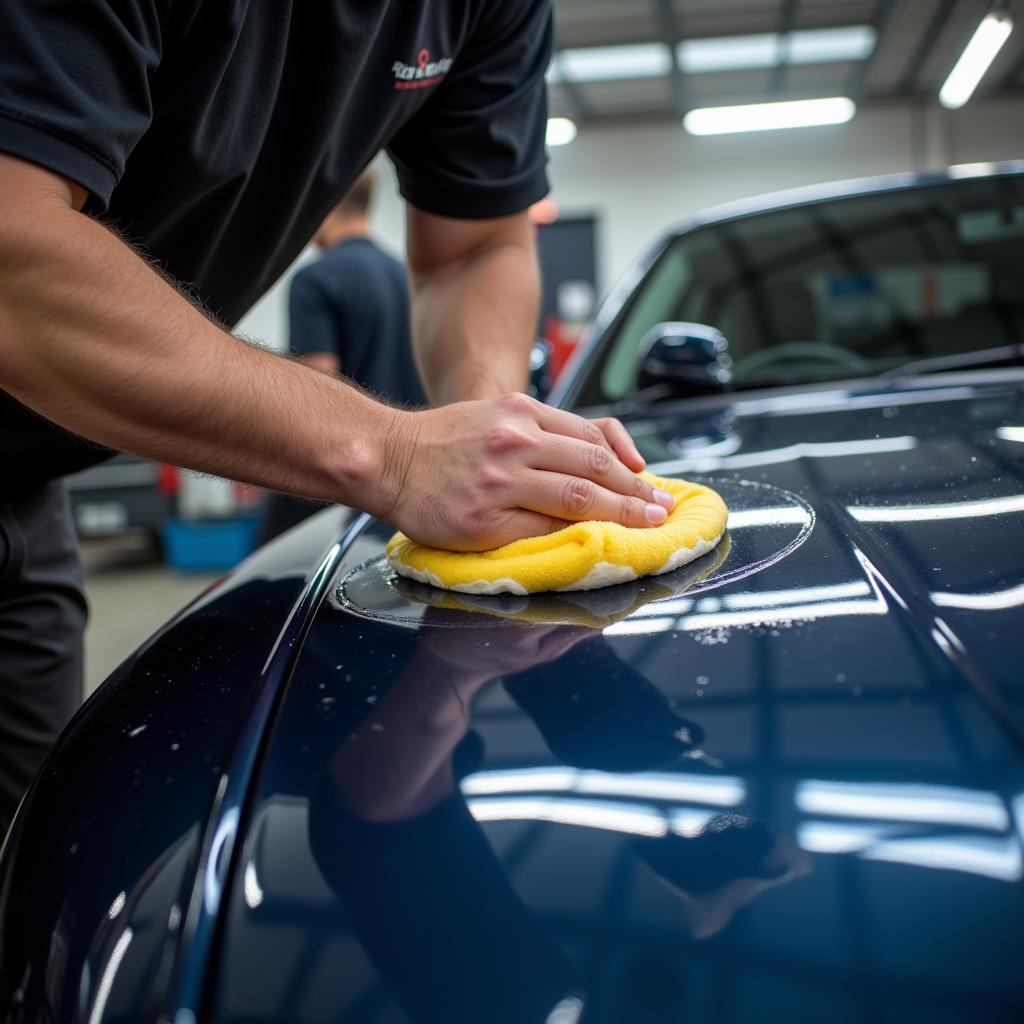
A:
{"x":557,"y":421}
{"x":594,"y":462}
{"x":621,"y":443}
{"x":607,"y":432}
{"x":576,"y":499}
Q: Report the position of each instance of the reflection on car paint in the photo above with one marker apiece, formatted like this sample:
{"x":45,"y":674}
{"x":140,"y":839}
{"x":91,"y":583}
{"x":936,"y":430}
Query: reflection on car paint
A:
{"x":947,"y":510}
{"x":790,"y":794}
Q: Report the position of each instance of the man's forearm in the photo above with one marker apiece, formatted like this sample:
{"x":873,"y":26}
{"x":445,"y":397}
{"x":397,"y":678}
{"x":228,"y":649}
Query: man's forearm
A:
{"x":474,"y":323}
{"x":94,"y":339}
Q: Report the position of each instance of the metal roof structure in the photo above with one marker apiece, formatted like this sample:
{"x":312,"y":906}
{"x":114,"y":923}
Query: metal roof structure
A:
{"x":901,"y":49}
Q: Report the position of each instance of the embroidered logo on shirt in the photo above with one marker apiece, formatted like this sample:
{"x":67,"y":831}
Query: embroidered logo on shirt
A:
{"x":423,"y":73}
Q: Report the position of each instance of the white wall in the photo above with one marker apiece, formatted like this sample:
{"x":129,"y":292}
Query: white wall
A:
{"x":639,"y":180}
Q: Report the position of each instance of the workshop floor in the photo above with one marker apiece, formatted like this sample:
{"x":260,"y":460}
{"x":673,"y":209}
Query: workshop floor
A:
{"x":131,"y":592}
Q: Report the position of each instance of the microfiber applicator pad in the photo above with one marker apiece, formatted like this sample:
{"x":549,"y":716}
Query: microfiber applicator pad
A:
{"x":582,"y":556}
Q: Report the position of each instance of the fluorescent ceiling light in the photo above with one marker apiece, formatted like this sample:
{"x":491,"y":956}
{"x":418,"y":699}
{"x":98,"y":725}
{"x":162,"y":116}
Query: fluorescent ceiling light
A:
{"x":561,"y":131}
{"x":828,"y":45}
{"x":811,"y":46}
{"x":725,"y":791}
{"x":975,"y":170}
{"x":997,"y":599}
{"x":717,"y":53}
{"x":927,"y":513}
{"x":757,"y":117}
{"x":744,"y":518}
{"x":605,"y":63}
{"x":801,"y":450}
{"x":941,"y":805}
{"x":979,"y":855}
{"x":983,"y":855}
{"x":976,"y":59}
{"x":728,"y":53}
{"x":612,"y":815}
{"x":568,"y":1011}
{"x":776,"y":598}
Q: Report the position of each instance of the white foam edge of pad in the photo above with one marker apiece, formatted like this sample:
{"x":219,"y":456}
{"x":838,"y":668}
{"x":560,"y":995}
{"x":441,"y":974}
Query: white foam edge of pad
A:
{"x":604,"y":574}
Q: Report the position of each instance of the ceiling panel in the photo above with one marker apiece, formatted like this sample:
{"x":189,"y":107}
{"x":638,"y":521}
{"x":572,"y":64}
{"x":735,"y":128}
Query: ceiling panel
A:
{"x":697,"y":18}
{"x":603,"y":22}
{"x":734,"y":87}
{"x":899,"y":43}
{"x":646,"y":95}
{"x":819,"y":79}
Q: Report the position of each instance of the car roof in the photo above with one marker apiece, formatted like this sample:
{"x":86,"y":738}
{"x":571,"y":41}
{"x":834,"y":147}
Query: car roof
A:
{"x":844,"y":189}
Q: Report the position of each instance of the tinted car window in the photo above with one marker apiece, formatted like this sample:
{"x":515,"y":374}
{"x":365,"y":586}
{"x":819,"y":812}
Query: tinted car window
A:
{"x":850,"y":287}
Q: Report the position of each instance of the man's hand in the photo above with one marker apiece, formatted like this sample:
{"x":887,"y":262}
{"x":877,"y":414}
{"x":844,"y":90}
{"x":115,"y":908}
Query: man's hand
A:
{"x":475,"y":475}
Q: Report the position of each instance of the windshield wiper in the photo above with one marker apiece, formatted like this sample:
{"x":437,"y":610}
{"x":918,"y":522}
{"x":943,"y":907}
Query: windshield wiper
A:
{"x":1003,"y":355}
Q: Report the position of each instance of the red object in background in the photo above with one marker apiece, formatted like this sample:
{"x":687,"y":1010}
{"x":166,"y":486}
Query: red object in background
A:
{"x":248,"y":497}
{"x":245,"y":497}
{"x":563,"y":337}
{"x":168,"y":482}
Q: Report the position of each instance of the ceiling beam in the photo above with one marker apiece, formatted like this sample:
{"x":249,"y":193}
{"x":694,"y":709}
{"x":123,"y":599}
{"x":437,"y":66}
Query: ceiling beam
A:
{"x":925,"y":46}
{"x":665,"y":19}
{"x":787,"y":19}
{"x":884,"y":10}
{"x":1015,"y":74}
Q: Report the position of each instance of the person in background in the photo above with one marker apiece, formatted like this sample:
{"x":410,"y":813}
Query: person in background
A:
{"x":348,"y":313}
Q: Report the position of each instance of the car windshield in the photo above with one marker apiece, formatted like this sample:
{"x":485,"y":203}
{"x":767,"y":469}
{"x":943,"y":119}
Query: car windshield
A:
{"x":850,"y":287}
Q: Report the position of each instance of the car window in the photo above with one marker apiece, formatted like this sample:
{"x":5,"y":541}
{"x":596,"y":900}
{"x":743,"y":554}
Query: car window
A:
{"x":656,"y":303}
{"x":836,"y":289}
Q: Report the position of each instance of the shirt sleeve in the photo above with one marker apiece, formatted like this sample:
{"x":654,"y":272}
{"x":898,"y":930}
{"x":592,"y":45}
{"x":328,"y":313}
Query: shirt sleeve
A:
{"x":74,"y":85}
{"x":311,"y":322}
{"x":476,"y":148}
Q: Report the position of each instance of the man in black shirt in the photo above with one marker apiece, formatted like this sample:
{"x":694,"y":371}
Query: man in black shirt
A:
{"x":160,"y":165}
{"x":349,"y":313}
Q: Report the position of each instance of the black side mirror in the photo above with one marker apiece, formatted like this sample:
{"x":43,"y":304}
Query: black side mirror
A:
{"x":540,"y":369}
{"x":694,"y":356}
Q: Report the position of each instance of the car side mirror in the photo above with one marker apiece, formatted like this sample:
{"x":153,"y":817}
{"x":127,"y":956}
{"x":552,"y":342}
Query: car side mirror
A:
{"x":694,"y":356}
{"x":540,"y":369}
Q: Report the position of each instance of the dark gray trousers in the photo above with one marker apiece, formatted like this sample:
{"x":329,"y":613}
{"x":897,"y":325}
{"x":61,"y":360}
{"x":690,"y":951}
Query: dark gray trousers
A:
{"x":42,"y":619}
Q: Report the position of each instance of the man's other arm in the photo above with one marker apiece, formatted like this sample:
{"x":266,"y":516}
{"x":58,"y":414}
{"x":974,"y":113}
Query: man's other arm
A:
{"x":475,"y":290}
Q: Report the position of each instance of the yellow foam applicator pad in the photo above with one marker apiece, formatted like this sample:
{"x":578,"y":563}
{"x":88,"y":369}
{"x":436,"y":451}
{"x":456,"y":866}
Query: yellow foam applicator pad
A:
{"x":594,"y":609}
{"x":583,"y":556}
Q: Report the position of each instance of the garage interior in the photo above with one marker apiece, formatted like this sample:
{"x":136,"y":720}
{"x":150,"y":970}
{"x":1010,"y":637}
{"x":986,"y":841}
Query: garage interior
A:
{"x":760,"y":761}
{"x":624,"y":168}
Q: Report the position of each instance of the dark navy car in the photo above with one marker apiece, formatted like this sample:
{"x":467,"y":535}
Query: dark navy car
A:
{"x":785,"y":783}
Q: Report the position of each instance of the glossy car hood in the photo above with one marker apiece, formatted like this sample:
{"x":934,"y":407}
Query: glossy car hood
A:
{"x":786,"y":782}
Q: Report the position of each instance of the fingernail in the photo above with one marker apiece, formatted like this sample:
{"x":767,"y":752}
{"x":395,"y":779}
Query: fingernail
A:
{"x":664,"y":498}
{"x":655,"y":514}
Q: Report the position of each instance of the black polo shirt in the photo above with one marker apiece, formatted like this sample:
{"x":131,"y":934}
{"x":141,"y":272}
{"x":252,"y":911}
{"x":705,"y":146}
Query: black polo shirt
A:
{"x":216,"y":134}
{"x":353,"y":303}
